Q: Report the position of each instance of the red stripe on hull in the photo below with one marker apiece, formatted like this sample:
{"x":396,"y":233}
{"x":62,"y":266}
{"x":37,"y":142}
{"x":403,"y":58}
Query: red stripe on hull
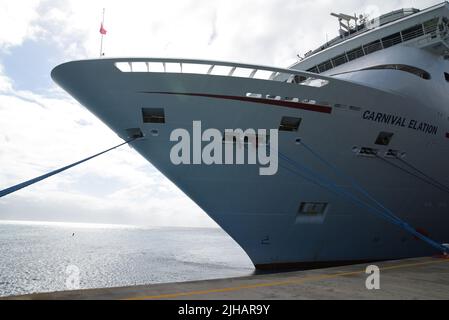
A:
{"x":287,"y":104}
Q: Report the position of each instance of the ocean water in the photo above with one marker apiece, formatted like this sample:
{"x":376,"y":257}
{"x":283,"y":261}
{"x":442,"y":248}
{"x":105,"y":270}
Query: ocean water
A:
{"x":41,"y":257}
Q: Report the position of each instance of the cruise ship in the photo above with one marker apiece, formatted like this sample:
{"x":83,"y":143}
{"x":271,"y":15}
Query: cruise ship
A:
{"x":362,"y":128}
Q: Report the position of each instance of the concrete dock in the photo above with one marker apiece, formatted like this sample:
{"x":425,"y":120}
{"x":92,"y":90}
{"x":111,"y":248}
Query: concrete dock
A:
{"x":419,"y":278}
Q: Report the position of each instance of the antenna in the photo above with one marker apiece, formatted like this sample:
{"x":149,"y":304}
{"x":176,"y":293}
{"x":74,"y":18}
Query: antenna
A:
{"x":102,"y":32}
{"x":344,"y":22}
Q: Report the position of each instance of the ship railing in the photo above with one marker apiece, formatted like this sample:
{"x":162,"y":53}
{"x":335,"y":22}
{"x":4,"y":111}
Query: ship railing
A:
{"x":219,"y":68}
{"x":420,"y":32}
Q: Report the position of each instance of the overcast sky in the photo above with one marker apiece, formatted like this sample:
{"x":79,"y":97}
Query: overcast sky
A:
{"x":42,"y":128}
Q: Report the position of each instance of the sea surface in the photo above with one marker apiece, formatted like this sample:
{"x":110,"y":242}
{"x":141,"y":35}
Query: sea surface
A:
{"x":42,"y":257}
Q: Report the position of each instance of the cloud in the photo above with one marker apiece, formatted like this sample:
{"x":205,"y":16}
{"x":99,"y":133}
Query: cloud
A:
{"x":15,"y":21}
{"x":40,"y":133}
{"x":5,"y":82}
{"x":269,"y":32}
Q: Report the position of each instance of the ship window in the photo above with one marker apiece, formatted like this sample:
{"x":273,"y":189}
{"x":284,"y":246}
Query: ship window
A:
{"x":446,"y":76}
{"x":325,"y":66}
{"x":123,"y":66}
{"x":372,"y":47}
{"x":312,"y":208}
{"x":402,"y":67}
{"x":355,"y":53}
{"x":153,"y":115}
{"x":366,"y":151}
{"x":339,"y":60}
{"x":253,"y":95}
{"x":392,"y":153}
{"x":413,"y":32}
{"x":298,"y":79}
{"x":391,"y":40}
{"x":134,"y":133}
{"x":384,"y":138}
{"x":313,"y":70}
{"x":289,"y":124}
{"x":255,"y":139}
{"x":431,"y":25}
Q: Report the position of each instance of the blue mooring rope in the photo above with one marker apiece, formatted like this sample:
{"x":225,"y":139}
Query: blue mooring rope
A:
{"x":383,"y":211}
{"x":25,"y":184}
{"x":319,"y":179}
{"x":326,"y":183}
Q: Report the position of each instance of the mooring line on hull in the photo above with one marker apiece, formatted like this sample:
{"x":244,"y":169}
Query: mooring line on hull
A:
{"x":27,"y":183}
{"x":340,"y":192}
{"x":433,"y":184}
{"x":423,"y":174}
{"x":383,"y":211}
{"x":333,"y":187}
{"x":343,"y":175}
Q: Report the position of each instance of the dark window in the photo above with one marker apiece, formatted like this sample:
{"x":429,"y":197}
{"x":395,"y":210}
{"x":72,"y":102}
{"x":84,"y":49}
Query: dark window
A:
{"x":153,"y":115}
{"x":289,"y":124}
{"x":413,"y":32}
{"x":355,"y":53}
{"x":339,"y":60}
{"x":312,"y":208}
{"x":372,"y":47}
{"x":368,"y":152}
{"x":392,"y":153}
{"x":325,"y":66}
{"x":446,"y":76}
{"x":402,"y":67}
{"x":391,"y":40}
{"x":314,"y":70}
{"x":384,"y":138}
{"x":298,"y":79}
{"x":134,"y":133}
{"x":431,"y":25}
{"x":355,"y":108}
{"x":231,"y":137}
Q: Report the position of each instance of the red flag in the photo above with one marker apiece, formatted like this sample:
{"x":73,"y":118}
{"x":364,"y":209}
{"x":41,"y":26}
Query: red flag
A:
{"x":102,"y":29}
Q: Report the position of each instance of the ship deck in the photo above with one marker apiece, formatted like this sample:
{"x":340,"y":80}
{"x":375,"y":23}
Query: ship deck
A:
{"x":418,"y":278}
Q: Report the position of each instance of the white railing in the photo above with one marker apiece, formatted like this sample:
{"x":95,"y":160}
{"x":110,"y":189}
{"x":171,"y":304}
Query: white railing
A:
{"x":425,"y":30}
{"x":219,"y":68}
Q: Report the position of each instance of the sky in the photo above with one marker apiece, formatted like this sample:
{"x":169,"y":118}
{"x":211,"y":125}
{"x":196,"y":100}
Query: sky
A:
{"x":43,"y":128}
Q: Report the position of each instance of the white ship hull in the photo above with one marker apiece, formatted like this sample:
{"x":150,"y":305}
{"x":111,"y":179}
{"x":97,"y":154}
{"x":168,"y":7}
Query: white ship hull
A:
{"x":261,"y":212}
{"x":391,"y":81}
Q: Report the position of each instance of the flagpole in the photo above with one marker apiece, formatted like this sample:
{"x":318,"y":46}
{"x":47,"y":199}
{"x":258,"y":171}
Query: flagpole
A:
{"x":102,"y":35}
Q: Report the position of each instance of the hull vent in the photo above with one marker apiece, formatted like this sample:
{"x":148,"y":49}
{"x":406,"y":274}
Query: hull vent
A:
{"x":153,"y":115}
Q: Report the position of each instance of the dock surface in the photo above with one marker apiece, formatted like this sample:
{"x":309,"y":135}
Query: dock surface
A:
{"x":418,"y":278}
